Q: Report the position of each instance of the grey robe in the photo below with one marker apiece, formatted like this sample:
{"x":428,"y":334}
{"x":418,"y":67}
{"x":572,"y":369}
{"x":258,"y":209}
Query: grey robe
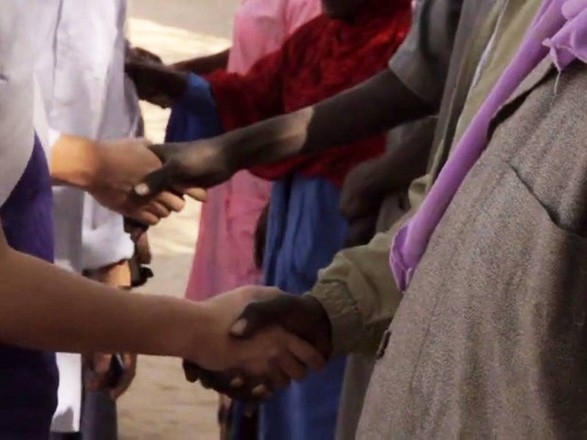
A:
{"x":490,"y":339}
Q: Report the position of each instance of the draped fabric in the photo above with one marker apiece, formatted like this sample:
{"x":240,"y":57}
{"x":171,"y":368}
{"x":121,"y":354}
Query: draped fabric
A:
{"x":324,"y":57}
{"x":558,"y":29}
{"x":224,"y":256}
{"x":28,"y":378}
{"x":305,"y":231}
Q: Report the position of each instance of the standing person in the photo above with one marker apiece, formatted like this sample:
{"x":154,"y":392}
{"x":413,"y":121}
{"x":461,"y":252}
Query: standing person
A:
{"x":224,"y":251}
{"x":331,"y":53}
{"x":80,"y":71}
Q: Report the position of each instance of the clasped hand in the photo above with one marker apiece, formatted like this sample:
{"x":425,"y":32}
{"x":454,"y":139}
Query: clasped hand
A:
{"x":276,"y":339}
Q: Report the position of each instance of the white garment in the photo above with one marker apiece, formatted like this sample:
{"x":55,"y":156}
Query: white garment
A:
{"x":80,"y":69}
{"x":16,"y":91}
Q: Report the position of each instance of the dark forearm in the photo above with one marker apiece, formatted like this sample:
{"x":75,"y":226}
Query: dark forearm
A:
{"x":206,"y":64}
{"x":404,"y":163}
{"x":370,"y":108}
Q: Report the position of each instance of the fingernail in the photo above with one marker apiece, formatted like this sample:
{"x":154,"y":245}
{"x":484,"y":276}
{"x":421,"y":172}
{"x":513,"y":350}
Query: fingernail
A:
{"x":142,"y":189}
{"x":238,"y":327}
{"x":237,"y":382}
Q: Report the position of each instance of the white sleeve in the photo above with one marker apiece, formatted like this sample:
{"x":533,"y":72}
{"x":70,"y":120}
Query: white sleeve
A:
{"x":17,"y":58}
{"x":104,"y":241}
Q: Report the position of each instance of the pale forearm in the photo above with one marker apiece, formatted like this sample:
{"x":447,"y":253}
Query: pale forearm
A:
{"x":47,"y":308}
{"x":368,"y":109}
{"x":74,"y":161}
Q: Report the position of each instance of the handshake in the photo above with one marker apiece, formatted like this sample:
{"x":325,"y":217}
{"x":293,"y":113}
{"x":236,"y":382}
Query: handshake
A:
{"x":274,"y":339}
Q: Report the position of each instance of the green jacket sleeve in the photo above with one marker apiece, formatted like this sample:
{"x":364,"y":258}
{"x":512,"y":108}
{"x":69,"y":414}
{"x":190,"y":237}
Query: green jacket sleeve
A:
{"x":359,"y":295}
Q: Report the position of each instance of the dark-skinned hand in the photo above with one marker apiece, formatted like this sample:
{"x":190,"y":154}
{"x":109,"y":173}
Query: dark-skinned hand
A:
{"x":136,"y":54}
{"x":362,"y":192}
{"x":155,"y":82}
{"x":187,"y":165}
{"x":300,"y":315}
{"x":360,"y":231}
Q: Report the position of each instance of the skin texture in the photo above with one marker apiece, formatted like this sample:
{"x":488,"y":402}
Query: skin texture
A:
{"x":376,"y":105}
{"x":204,"y":65}
{"x":303,"y":316}
{"x":372,"y":181}
{"x":109,"y":171}
{"x":115,"y":275}
{"x":90,"y":317}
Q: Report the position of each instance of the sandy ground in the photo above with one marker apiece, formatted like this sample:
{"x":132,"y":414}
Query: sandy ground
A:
{"x":160,"y":404}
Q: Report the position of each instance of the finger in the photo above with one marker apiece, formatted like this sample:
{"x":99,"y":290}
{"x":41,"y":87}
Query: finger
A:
{"x":292,"y":367}
{"x":98,"y":365}
{"x":134,"y":228}
{"x":145,"y":217}
{"x":158,"y":209}
{"x":306,"y":354}
{"x":101,"y":364}
{"x":124,"y":384}
{"x":155,"y":182}
{"x":223,"y":383}
{"x":258,"y":316}
{"x":144,"y":141}
{"x":143,"y":53}
{"x":173,"y":202}
{"x":197,"y":194}
{"x":261,"y":392}
{"x":277,"y":378}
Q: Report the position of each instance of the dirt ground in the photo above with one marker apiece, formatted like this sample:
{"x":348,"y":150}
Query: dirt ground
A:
{"x":160,"y":404}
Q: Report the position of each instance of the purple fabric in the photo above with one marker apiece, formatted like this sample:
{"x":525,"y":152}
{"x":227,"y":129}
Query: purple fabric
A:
{"x":560,"y":27}
{"x":28,"y":378}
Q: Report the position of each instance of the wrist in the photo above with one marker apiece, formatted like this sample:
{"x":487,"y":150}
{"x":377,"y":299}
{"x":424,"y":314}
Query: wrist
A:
{"x":75,"y":161}
{"x":229,"y":158}
{"x":116,"y":274}
{"x":313,"y":308}
{"x":342,"y":314}
{"x":177,"y":85}
{"x":189,"y":324}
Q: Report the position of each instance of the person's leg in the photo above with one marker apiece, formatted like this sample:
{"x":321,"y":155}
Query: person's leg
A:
{"x":305,"y":230}
{"x":99,"y":420}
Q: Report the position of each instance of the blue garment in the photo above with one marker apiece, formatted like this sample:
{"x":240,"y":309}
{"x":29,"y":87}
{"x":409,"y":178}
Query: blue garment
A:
{"x":28,"y":378}
{"x":195,"y":116}
{"x":305,"y":231}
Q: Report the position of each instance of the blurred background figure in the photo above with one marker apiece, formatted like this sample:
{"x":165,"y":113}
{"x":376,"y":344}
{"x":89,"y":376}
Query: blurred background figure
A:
{"x":224,"y":256}
{"x":87,"y":98}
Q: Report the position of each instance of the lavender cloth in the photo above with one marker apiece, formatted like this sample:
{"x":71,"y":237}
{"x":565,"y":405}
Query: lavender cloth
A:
{"x":559,"y":28}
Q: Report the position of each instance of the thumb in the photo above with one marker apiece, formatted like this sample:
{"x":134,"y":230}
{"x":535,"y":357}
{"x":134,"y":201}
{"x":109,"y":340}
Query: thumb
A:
{"x":253,"y":319}
{"x":155,"y":182}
